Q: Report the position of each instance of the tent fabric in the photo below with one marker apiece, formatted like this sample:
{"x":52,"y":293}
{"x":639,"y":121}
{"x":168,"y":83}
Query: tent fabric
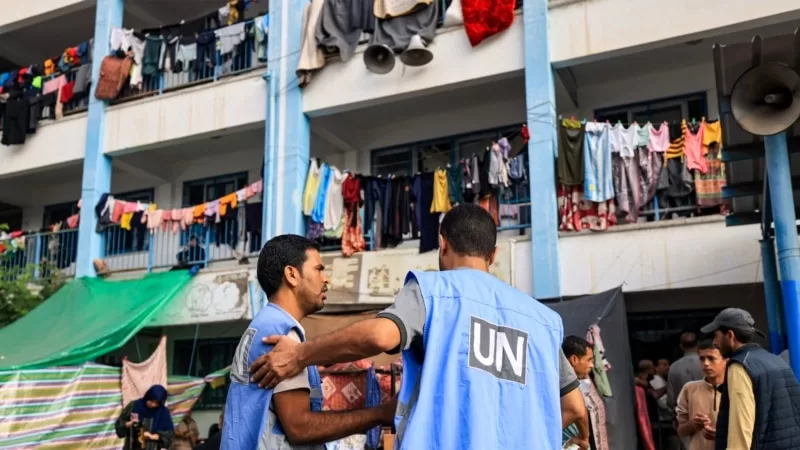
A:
{"x":86,"y":318}
{"x":75,"y":407}
{"x":607,"y":310}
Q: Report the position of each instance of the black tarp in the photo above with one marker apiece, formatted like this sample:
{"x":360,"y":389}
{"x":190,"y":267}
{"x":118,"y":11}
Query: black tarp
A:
{"x":609,"y":307}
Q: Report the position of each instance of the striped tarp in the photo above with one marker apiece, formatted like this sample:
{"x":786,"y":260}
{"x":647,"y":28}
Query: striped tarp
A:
{"x":75,"y":407}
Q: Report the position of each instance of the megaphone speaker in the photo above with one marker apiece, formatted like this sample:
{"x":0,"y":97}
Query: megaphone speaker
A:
{"x":379,"y":58}
{"x":416,"y":54}
{"x":765,"y":100}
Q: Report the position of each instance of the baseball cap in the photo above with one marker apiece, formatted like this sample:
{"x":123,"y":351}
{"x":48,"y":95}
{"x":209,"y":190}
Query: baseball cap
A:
{"x":734,"y":319}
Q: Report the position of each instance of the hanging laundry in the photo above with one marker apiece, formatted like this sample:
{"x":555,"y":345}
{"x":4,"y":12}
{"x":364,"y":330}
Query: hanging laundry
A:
{"x":601,"y":366}
{"x":659,"y":138}
{"x":455,"y":182}
{"x":313,"y":179}
{"x":334,"y":203}
{"x":498,"y":172}
{"x":598,"y":181}
{"x":578,"y":214}
{"x":693,"y":147}
{"x":708,"y":186}
{"x":312,"y":58}
{"x":627,"y":186}
{"x":428,"y":220}
{"x":229,"y":37}
{"x":441,"y":196}
{"x":485,"y":18}
{"x":318,"y":213}
{"x":570,"y":152}
{"x":623,"y":140}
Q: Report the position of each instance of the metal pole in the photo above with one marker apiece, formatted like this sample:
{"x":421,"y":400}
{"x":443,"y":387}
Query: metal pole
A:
{"x":772,"y":294}
{"x":780,"y":186}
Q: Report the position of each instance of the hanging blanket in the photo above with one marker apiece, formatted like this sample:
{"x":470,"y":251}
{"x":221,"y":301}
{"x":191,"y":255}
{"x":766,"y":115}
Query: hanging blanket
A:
{"x":137,"y":378}
{"x":485,"y":18}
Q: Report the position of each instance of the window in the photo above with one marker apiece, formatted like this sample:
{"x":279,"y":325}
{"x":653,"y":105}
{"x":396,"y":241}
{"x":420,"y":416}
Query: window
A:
{"x":119,"y":241}
{"x":54,"y":214}
{"x":655,"y":111}
{"x":197,"y":192}
{"x":204,"y":190}
{"x":397,"y":161}
{"x":209,"y":356}
{"x":427,"y":156}
{"x":656,"y":335}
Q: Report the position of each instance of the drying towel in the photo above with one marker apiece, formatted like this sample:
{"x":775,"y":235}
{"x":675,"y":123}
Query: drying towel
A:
{"x":137,"y":378}
{"x":485,"y":18}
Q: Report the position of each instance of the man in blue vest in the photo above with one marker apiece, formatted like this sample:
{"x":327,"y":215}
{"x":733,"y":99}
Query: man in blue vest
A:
{"x":760,"y":405}
{"x":289,"y":415}
{"x":481,"y":360}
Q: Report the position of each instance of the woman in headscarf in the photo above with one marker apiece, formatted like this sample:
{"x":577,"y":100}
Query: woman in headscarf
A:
{"x":146,"y":424}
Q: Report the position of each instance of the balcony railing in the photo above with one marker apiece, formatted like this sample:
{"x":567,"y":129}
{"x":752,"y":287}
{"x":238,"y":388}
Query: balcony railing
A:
{"x":141,"y":248}
{"x":40,"y":253}
{"x":214,"y":67}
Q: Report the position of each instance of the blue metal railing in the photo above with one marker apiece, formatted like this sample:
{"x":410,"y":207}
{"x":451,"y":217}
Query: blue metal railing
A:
{"x":141,"y":248}
{"x":40,"y":254}
{"x":243,"y":58}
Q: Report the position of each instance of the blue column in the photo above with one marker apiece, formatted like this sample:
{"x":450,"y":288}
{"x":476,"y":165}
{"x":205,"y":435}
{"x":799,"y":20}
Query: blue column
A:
{"x":772,"y":295}
{"x":780,"y":188}
{"x":286,"y":152}
{"x":541,"y":106}
{"x":96,"y":165}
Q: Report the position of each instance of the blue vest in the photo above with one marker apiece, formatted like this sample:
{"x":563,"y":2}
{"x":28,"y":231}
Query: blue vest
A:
{"x":249,"y":422}
{"x":489,"y":375}
{"x":777,"y":396}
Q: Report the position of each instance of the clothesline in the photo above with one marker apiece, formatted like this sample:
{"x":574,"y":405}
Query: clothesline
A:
{"x":608,"y":170}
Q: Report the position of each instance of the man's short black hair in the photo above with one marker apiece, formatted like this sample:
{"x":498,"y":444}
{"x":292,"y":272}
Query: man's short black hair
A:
{"x":575,"y":346}
{"x":688,"y":340}
{"x":708,"y":344}
{"x":470,"y":230}
{"x":279,"y":252}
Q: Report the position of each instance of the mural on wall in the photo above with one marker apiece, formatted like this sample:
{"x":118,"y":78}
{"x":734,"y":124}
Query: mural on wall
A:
{"x":344,"y":275}
{"x":385,"y":271}
{"x":212,"y":297}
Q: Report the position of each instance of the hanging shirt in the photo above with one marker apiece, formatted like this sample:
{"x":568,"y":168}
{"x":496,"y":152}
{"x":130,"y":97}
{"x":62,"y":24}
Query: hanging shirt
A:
{"x":318,"y":213}
{"x":642,"y":134}
{"x":623,"y":140}
{"x":313,"y":179}
{"x":598,"y":183}
{"x":694,"y":150}
{"x":570,"y":152}
{"x":659,"y":138}
{"x":712,"y":134}
{"x":441,"y":196}
{"x":334,"y":203}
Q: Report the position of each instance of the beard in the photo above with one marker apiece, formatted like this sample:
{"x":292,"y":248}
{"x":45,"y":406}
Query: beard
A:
{"x":725,"y":349}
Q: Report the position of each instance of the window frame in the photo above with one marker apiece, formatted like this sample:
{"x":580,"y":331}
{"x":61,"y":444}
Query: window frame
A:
{"x":454,"y":140}
{"x":128,"y":237}
{"x":647,"y":106}
{"x":240,"y":180}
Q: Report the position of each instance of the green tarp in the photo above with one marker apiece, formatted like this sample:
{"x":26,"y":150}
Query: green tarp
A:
{"x":86,"y":318}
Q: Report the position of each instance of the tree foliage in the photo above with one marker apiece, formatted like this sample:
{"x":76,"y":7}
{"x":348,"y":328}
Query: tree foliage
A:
{"x":21,"y":290}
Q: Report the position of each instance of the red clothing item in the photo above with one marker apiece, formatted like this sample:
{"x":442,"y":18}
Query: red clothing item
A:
{"x":485,"y":18}
{"x":643,"y":420}
{"x":66,"y":92}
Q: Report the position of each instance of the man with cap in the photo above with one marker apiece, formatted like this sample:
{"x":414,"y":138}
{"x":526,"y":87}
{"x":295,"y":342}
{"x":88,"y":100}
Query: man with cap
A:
{"x":760,"y":406}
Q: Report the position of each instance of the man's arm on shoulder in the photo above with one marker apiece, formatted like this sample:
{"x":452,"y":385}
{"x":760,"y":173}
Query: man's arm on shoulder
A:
{"x":393,"y":330}
{"x":302,"y":426}
{"x":742,"y":407}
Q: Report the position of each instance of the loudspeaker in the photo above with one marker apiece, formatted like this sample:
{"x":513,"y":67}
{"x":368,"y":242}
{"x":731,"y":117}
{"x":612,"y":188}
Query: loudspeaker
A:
{"x":765,"y":100}
{"x":416,"y":54}
{"x":379,"y":58}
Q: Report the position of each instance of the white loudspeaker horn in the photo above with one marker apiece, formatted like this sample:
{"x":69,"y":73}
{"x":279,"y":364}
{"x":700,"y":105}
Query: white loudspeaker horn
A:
{"x":416,"y":54}
{"x":765,"y":100}
{"x":379,"y":58}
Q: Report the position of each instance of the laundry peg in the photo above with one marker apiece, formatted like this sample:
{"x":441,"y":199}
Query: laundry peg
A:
{"x":694,"y":121}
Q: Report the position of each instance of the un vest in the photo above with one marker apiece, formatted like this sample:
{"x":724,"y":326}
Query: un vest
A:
{"x":777,"y":395}
{"x":250,"y":424}
{"x":489,"y":377}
